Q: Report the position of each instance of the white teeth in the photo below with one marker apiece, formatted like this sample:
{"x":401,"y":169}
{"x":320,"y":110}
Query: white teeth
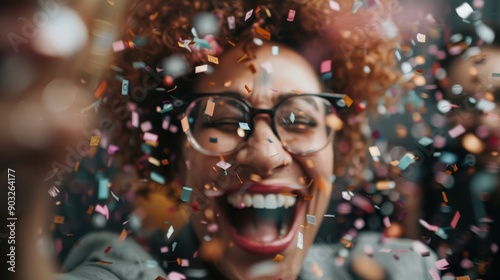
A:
{"x":281,"y":200}
{"x":247,"y":199}
{"x":289,"y":201}
{"x":271,"y":202}
{"x":261,"y":201}
{"x":258,"y":201}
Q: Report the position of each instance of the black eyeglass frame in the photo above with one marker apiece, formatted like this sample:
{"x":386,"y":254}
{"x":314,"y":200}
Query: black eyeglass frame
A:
{"x":182,"y":103}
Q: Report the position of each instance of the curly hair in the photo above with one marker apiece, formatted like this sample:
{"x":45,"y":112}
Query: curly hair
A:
{"x":360,"y":41}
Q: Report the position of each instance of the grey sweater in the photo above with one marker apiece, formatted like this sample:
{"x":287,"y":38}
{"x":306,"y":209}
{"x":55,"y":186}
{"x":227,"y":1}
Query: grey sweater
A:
{"x":90,"y":259}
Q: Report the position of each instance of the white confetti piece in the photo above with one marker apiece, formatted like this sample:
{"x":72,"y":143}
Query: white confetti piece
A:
{"x":300,"y":240}
{"x":464,"y":10}
{"x":224,"y":165}
{"x":170,"y":231}
{"x":248,"y":14}
{"x":421,"y":37}
{"x":201,"y":68}
{"x":231,"y":22}
{"x":311,"y":219}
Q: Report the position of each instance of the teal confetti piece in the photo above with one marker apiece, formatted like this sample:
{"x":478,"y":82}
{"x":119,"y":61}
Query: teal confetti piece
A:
{"x":275,"y":50}
{"x":405,"y":162}
{"x":202,"y":43}
{"x":138,"y":64}
{"x":244,"y":126}
{"x":125,"y":87}
{"x":292,"y":117}
{"x":213,"y":139}
{"x":157,"y":178}
{"x":326,"y":76}
{"x":103,"y":188}
{"x":424,"y":141}
{"x":186,"y":194}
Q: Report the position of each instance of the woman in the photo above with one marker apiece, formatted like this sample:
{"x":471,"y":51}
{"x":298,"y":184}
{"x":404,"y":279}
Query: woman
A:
{"x":253,"y":140}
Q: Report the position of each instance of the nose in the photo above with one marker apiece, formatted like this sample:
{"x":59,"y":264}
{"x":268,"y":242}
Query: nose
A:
{"x":264,"y":151}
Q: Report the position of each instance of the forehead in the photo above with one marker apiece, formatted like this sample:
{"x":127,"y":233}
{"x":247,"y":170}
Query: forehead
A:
{"x":265,"y":72}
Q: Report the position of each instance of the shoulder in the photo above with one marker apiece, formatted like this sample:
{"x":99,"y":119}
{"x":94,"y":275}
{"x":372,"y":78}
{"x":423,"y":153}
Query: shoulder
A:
{"x":104,"y":255}
{"x":367,"y":253}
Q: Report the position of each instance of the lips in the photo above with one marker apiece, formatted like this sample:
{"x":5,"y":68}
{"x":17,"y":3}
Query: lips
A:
{"x":262,"y":218}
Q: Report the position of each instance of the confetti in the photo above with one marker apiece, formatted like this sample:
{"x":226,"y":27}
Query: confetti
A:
{"x":485,"y":105}
{"x":428,"y":226}
{"x":278,"y":258}
{"x":311,"y":219}
{"x":201,"y":68}
{"x":464,"y":10}
{"x":231,"y":22}
{"x":103,"y":210}
{"x":421,"y":37}
{"x":164,"y":249}
{"x":118,"y":46}
{"x":441,"y":264}
{"x":326,"y":66}
{"x":59,"y":220}
{"x":248,"y":89}
{"x":445,"y":198}
{"x":291,"y":15}
{"x":176,"y":276}
{"x":465,"y":277}
{"x":103,"y":188}
{"x":209,"y":109}
{"x":455,"y":219}
{"x":154,"y":161}
{"x":125,"y":87}
{"x":387,"y":222}
{"x":406,"y":161}
{"x":248,"y":14}
{"x":107,"y":249}
{"x":186,"y":194}
{"x":300,"y":240}
{"x":213,"y":140}
{"x":94,"y":141}
{"x":170,"y":231}
{"x":334,"y":5}
{"x":385,"y":185}
{"x":275,"y":50}
{"x":292,"y":117}
{"x":252,"y":68}
{"x":374,"y":151}
{"x":262,"y":32}
{"x":213,"y":59}
{"x":123,"y":235}
{"x":185,"y":124}
{"x":53,"y":191}
{"x":244,"y":126}
{"x":157,"y":177}
{"x":420,"y":248}
{"x":150,"y":137}
{"x":348,"y":101}
{"x":456,"y":131}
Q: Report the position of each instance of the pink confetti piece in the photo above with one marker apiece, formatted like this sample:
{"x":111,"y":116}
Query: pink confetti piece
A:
{"x":164,"y":249}
{"x":368,"y":249}
{"x":494,"y":248}
{"x":59,"y":245}
{"x":176,"y":276}
{"x":291,"y":15}
{"x":118,"y":46}
{"x":150,"y":137}
{"x":213,"y":227}
{"x":434,"y":274}
{"x":184,"y":262}
{"x":454,"y":222}
{"x":456,"y":131}
{"x":326,"y":66}
{"x":102,"y":210}
{"x":248,"y":14}
{"x":387,"y":222}
{"x":420,"y":248}
{"x":428,"y":226}
{"x":441,"y":264}
{"x":135,"y":119}
{"x":273,"y":89}
{"x":146,"y":126}
{"x":112,"y":149}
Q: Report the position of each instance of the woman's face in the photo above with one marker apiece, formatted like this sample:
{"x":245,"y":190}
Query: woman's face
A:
{"x":246,"y":241}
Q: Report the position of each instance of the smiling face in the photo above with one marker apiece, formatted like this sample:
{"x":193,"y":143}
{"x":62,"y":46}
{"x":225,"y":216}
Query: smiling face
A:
{"x":266,"y":194}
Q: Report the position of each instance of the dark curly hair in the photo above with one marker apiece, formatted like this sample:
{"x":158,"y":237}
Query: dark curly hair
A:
{"x":358,"y":40}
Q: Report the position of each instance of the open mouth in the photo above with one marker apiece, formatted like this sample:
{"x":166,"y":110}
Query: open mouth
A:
{"x":262,"y":219}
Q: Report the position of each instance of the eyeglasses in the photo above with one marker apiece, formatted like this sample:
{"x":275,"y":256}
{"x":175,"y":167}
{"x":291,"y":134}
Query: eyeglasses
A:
{"x":219,"y":124}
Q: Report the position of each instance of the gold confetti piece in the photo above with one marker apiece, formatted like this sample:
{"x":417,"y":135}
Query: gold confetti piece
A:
{"x":185,"y":124}
{"x":164,"y":161}
{"x":268,"y":12}
{"x":248,"y":89}
{"x":348,"y":101}
{"x":245,"y":56}
{"x":180,"y":44}
{"x":308,"y":197}
{"x":77,"y":165}
{"x":154,"y":161}
{"x":445,"y":198}
{"x":257,"y":9}
{"x":154,"y":16}
{"x":278,"y":258}
{"x":90,"y":209}
{"x":262,"y":32}
{"x":59,"y":220}
{"x":466,"y":277}
{"x":123,"y":235}
{"x":227,"y":83}
{"x":211,"y":84}
{"x":213,"y":59}
{"x":255,"y":177}
{"x":252,"y":68}
{"x":419,"y":71}
{"x":94,"y":141}
{"x":231,"y":43}
{"x":385,"y":185}
{"x":209,"y":110}
{"x":309,"y":163}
